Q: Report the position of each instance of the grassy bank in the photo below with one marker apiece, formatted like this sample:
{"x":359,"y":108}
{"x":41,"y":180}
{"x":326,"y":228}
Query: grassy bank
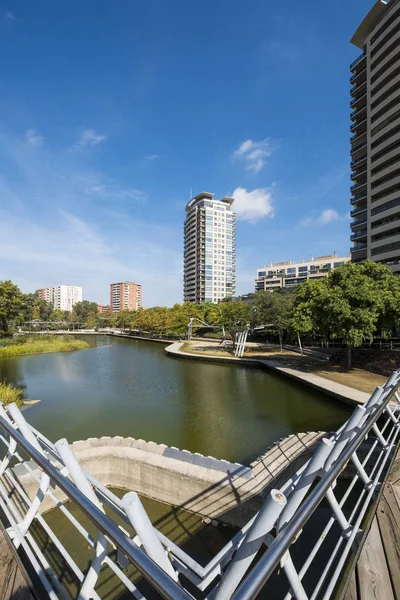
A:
{"x":9,"y":394}
{"x":39,"y":346}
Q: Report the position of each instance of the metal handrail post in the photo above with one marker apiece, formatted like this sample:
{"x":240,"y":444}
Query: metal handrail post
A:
{"x":256,"y":579}
{"x":251,"y":544}
{"x":165,"y":585}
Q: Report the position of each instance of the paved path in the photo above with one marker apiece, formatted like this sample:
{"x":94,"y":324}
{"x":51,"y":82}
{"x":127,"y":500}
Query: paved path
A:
{"x":332,"y":388}
{"x":337,"y":390}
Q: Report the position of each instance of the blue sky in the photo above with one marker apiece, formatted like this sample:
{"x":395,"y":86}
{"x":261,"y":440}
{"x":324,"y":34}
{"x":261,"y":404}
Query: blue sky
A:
{"x":110,"y":112}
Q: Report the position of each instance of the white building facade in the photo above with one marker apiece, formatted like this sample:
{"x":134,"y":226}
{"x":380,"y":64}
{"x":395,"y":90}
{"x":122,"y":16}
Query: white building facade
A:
{"x":209,"y":249}
{"x":62,"y":297}
{"x":290,"y":274}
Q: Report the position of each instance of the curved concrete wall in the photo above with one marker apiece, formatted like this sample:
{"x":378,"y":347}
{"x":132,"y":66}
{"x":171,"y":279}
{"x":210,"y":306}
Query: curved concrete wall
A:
{"x":213,"y":488}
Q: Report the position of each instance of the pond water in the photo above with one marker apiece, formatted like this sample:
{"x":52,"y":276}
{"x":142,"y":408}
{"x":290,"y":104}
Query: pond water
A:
{"x":131,"y":388}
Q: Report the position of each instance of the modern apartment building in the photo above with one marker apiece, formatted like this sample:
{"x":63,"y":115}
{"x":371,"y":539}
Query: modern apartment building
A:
{"x":375,"y":141}
{"x":209,"y":249}
{"x":125,"y":295}
{"x":62,"y":297}
{"x":290,"y":274}
{"x":45,"y":294}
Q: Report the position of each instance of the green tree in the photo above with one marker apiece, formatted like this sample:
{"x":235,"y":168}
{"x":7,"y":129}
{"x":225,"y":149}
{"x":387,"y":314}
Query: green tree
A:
{"x":274,"y":310}
{"x":353,"y":303}
{"x":123,"y":319}
{"x":82,"y":311}
{"x":11,"y":304}
{"x":235,"y":316}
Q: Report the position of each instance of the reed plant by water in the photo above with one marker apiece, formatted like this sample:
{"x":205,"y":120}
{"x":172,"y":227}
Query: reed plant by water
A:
{"x":9,"y":394}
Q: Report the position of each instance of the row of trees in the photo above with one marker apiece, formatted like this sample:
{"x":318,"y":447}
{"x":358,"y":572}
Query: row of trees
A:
{"x":24,"y":310}
{"x":351,"y":305}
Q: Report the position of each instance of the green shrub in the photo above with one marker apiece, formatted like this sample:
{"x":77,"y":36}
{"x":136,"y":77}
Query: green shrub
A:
{"x":13,"y":341}
{"x":9,"y":394}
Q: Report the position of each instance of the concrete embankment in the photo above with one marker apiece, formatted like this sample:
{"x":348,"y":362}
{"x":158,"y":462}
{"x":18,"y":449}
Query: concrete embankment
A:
{"x":217,"y":489}
{"x":326,"y":386}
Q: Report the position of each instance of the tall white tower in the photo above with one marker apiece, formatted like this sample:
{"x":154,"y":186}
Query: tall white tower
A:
{"x":209,"y":249}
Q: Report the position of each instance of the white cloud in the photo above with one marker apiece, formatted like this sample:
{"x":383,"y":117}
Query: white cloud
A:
{"x":253,"y":205}
{"x":10,"y":16}
{"x":151,"y":157}
{"x":33,"y":138}
{"x":116,"y":191}
{"x":90,"y":137}
{"x":254,"y":154}
{"x":328,"y":215}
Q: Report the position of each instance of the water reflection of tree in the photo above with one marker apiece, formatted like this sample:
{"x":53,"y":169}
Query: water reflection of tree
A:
{"x":11,"y":372}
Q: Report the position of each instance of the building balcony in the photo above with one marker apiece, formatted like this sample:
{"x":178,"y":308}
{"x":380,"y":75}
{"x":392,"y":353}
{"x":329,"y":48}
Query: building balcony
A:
{"x":358,"y":62}
{"x":358,"y":186}
{"x":358,"y":138}
{"x":359,"y":76}
{"x":359,"y":152}
{"x":359,"y":246}
{"x":359,"y":199}
{"x":359,"y":114}
{"x":356,"y":173}
{"x":359,"y":235}
{"x":362,"y":98}
{"x":360,"y":222}
{"x":359,"y":212}
{"x":360,"y":127}
{"x":359,"y":162}
{"x":359,"y":90}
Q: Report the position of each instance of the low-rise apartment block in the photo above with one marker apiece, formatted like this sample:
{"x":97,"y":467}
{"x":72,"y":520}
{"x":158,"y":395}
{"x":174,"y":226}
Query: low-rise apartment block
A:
{"x":103,"y":308}
{"x":125,"y":295}
{"x":290,"y":274}
{"x":62,"y":297}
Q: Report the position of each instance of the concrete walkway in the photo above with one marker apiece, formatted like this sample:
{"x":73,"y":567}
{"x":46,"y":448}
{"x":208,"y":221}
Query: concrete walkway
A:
{"x":326,"y":386}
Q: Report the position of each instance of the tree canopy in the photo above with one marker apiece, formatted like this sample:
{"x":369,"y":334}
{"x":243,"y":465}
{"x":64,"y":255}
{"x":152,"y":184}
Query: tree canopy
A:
{"x":351,"y":305}
{"x":11,"y":302}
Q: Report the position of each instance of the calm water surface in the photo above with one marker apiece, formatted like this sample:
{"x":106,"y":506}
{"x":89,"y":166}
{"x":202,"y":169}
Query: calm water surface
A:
{"x":130,"y":388}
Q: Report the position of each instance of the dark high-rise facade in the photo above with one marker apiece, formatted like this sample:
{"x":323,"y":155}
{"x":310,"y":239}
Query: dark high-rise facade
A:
{"x":375,"y":141}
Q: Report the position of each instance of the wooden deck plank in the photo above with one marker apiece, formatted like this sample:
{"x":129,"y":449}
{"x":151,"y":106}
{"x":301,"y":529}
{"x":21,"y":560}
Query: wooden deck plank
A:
{"x":12,"y":583}
{"x":351,"y":592}
{"x":388,"y":515}
{"x":394,"y":475}
{"x":373,"y":576}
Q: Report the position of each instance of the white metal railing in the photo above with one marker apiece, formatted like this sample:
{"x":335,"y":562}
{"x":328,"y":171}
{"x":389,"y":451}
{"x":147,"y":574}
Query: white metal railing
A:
{"x":367,"y":442}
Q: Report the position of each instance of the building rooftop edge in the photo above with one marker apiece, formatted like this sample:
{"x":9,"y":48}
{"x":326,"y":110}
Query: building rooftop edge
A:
{"x":369,"y":22}
{"x":300,"y":262}
{"x":207,"y":196}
